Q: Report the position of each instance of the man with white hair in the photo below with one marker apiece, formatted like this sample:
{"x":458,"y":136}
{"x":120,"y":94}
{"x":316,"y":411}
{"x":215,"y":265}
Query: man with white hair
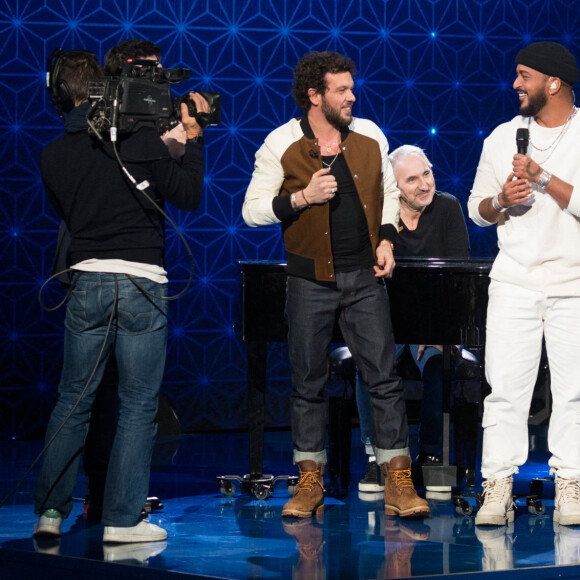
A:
{"x":431,"y":224}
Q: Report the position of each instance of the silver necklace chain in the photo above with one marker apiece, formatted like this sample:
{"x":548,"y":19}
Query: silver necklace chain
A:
{"x":332,"y":162}
{"x":552,"y":147}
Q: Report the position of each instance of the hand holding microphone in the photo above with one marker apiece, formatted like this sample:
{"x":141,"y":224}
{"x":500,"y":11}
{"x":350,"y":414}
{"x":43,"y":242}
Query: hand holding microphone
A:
{"x":525,"y":167}
{"x":517,"y":188}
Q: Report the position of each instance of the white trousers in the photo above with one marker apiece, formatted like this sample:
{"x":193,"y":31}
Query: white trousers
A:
{"x":516,"y":320}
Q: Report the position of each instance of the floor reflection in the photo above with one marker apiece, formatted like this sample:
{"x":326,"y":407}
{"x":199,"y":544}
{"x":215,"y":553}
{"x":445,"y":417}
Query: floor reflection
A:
{"x":239,"y":537}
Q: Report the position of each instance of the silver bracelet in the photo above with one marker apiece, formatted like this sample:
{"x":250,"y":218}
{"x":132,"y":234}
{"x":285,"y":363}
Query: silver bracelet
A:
{"x":544,"y":179}
{"x":293,"y":201}
{"x":496,"y":205}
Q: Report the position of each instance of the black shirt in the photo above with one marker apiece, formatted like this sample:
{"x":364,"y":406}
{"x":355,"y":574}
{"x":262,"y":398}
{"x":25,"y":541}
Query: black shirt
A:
{"x":351,"y":246}
{"x":441,"y":231}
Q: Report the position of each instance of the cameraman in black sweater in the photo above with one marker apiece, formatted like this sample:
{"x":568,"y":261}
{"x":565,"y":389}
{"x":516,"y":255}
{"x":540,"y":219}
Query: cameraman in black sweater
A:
{"x":118,"y":299}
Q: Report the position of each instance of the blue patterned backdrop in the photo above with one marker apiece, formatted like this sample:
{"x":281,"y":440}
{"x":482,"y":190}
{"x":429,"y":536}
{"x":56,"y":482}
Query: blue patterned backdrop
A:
{"x":436,"y":73}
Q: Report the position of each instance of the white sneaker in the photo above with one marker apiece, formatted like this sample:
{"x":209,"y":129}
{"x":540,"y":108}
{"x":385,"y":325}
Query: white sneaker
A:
{"x":142,"y":532}
{"x":567,"y":502}
{"x":497,"y":546}
{"x":498,"y":503}
{"x":48,"y":523}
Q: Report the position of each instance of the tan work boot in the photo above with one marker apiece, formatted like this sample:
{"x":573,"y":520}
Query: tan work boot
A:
{"x":401,"y":499}
{"x":309,"y":495}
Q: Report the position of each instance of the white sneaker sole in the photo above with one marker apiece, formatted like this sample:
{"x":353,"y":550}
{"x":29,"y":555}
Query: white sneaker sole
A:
{"x":132,"y":539}
{"x":50,"y":529}
{"x":572,"y":520}
{"x":443,"y":488}
{"x":370,"y":487}
{"x":47,"y":532}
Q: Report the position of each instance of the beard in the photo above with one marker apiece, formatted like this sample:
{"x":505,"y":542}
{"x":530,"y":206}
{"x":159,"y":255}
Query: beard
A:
{"x":417,"y":206}
{"x":535,"y":104}
{"x":334,"y":117}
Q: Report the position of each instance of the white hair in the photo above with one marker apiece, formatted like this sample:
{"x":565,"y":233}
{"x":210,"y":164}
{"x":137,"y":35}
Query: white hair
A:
{"x":405,"y":151}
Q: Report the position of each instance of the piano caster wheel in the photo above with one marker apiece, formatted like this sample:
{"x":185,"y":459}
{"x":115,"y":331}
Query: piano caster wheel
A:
{"x":463,"y":507}
{"x":535,"y":507}
{"x":153,"y":504}
{"x":262,"y":492}
{"x":227,"y":488}
{"x":291,"y":484}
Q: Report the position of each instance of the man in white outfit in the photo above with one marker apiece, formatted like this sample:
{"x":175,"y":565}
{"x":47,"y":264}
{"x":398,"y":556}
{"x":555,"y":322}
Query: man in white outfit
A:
{"x":535,"y":281}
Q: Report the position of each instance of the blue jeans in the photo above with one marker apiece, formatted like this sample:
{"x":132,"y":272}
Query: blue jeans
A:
{"x":138,"y":336}
{"x":361,"y":303}
{"x":431,"y":417}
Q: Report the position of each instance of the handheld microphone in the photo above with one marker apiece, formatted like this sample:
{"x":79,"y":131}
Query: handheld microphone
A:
{"x":522,"y":140}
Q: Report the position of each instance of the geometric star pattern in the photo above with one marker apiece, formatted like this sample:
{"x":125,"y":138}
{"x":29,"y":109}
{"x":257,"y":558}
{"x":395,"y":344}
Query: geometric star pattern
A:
{"x":433,"y":73}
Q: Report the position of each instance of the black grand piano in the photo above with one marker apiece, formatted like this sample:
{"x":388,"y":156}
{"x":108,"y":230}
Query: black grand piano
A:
{"x":433,"y":301}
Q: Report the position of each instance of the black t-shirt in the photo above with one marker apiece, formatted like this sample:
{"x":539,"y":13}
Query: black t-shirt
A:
{"x":441,"y":231}
{"x":351,"y":247}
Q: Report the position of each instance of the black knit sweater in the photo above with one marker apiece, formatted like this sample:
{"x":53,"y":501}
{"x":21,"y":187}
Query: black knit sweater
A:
{"x":105,"y":214}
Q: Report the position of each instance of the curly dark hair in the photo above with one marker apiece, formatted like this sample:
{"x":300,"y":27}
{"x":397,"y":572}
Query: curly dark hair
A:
{"x":117,"y":56}
{"x":310,"y":71}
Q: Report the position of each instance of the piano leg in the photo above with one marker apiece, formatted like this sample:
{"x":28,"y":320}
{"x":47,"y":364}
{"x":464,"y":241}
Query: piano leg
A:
{"x":257,"y":356}
{"x":262,"y":486}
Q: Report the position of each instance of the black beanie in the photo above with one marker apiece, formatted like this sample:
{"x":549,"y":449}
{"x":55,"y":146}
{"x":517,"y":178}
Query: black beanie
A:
{"x":550,"y":58}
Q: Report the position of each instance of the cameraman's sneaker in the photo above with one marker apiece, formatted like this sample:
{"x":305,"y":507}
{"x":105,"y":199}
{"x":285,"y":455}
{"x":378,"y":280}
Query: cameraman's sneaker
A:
{"x":498,"y":503}
{"x":49,"y":523}
{"x":567,"y":502}
{"x":142,"y":532}
{"x":374,"y":479}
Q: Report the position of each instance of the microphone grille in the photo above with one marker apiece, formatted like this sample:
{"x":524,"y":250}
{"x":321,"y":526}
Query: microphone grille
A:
{"x":523,"y":135}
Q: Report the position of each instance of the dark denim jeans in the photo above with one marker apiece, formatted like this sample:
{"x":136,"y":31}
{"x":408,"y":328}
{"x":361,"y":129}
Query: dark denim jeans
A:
{"x":138,"y":337}
{"x":431,"y":418}
{"x":360,"y":303}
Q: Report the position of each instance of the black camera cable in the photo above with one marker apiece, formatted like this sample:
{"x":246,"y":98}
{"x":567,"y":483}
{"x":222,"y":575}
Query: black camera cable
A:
{"x":80,"y":397}
{"x":141,"y":187}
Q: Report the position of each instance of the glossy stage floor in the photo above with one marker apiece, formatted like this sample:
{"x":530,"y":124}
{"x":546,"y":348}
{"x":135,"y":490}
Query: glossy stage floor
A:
{"x":214,"y":536}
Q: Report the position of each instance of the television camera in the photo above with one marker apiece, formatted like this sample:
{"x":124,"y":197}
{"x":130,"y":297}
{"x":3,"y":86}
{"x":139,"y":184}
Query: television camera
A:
{"x":141,"y":97}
